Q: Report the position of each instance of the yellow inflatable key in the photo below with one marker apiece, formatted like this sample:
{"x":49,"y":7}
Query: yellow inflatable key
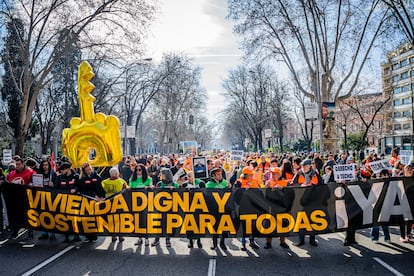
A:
{"x":92,"y":138}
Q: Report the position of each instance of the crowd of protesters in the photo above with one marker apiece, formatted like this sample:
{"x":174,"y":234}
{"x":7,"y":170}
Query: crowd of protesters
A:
{"x":175,"y":170}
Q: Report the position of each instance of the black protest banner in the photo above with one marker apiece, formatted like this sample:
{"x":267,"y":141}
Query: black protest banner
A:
{"x":204,"y":212}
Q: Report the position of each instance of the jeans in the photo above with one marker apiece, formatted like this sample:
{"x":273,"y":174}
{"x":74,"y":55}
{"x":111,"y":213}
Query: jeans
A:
{"x":375,"y":232}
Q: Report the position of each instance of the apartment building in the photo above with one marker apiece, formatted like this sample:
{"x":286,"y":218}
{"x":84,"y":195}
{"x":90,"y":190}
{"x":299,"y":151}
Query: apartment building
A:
{"x":367,"y":106}
{"x":398,"y":82}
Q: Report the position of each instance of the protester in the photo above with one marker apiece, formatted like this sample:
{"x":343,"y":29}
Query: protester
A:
{"x":306,"y":176}
{"x":141,"y":180}
{"x":247,"y":181}
{"x":328,"y":176}
{"x":192,"y":183}
{"x":90,"y":185}
{"x":406,"y":226}
{"x":217,"y":182}
{"x":165,"y":182}
{"x":65,"y":181}
{"x":49,"y":176}
{"x":2,"y":180}
{"x":22,"y":175}
{"x":276,"y":182}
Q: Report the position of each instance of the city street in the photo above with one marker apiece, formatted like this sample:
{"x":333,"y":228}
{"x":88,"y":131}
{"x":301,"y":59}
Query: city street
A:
{"x":107,"y":258}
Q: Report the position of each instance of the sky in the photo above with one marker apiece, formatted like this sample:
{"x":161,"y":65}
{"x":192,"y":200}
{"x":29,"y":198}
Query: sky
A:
{"x":198,"y":29}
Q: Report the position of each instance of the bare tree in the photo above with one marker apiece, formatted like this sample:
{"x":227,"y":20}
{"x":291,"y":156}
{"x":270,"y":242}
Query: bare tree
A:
{"x":179,"y":95}
{"x":328,"y":42}
{"x":258,"y":99}
{"x":306,"y":126}
{"x":402,"y":12}
{"x":106,"y":25}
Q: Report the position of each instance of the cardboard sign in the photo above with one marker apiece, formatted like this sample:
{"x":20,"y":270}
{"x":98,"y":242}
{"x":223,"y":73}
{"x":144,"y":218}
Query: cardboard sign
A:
{"x":406,"y":156}
{"x":378,"y":166}
{"x":344,"y":172}
{"x":7,"y":156}
{"x":37,"y":180}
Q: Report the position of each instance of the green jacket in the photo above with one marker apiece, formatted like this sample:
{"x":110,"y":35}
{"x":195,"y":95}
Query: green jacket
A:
{"x":137,"y":183}
{"x":214,"y":184}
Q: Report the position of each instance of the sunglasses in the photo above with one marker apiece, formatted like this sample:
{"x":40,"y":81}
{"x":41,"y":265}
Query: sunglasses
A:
{"x":139,"y":170}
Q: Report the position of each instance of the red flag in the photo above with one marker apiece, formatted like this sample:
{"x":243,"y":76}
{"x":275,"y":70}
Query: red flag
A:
{"x":52,"y":161}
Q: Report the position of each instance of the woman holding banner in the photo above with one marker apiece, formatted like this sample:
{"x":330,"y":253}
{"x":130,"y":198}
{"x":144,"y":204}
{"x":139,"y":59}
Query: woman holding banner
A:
{"x":217,"y":182}
{"x":140,"y":180}
{"x":166,"y":182}
{"x":89,"y":185}
{"x":406,"y":226}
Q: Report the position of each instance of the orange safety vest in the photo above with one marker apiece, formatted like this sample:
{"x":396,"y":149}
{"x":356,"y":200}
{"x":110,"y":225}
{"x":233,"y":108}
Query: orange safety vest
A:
{"x":280,"y":182}
{"x":289,"y":176}
{"x":314,"y":180}
{"x":252,"y":183}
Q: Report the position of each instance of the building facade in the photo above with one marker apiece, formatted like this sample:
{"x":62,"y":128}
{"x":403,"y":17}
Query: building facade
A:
{"x":398,"y":82}
{"x":372,"y":108}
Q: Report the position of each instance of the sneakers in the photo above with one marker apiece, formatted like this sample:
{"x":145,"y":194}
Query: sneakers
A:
{"x":121,"y":239}
{"x":254,"y":245}
{"x":404,"y":240}
{"x":283,"y":244}
{"x":139,"y":242}
{"x":155,"y":242}
{"x":375,"y":241}
{"x":190,"y":244}
{"x":268,"y":245}
{"x":114,"y":239}
{"x":387,"y":241}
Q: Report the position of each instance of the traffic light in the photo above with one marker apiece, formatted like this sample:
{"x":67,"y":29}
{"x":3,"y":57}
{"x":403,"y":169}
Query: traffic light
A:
{"x":191,"y":119}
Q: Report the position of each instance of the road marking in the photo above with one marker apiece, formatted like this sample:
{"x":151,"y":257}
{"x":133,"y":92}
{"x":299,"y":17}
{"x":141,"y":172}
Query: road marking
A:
{"x":387,"y":266}
{"x":211,"y":267}
{"x":48,"y":261}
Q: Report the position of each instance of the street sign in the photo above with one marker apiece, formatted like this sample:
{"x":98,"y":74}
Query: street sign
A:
{"x":268,"y":133}
{"x":311,"y":111}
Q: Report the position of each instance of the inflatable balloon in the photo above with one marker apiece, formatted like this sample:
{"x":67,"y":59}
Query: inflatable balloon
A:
{"x":92,"y":133}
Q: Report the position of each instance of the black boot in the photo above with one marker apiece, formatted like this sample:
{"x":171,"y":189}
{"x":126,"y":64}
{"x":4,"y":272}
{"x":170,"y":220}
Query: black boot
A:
{"x":190,"y":243}
{"x":214,"y":244}
{"x":222,"y":245}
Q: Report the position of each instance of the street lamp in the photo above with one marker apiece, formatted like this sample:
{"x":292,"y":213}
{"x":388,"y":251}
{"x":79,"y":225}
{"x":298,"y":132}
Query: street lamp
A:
{"x":345,"y":142}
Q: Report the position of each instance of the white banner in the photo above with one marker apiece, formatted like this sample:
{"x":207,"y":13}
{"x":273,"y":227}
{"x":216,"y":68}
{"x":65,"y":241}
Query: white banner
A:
{"x":378,"y":166}
{"x":344,"y":172}
{"x":236,"y":155}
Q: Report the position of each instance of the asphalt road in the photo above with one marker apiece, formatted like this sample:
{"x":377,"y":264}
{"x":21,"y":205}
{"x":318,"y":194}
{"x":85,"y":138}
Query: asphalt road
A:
{"x":114,"y":258}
